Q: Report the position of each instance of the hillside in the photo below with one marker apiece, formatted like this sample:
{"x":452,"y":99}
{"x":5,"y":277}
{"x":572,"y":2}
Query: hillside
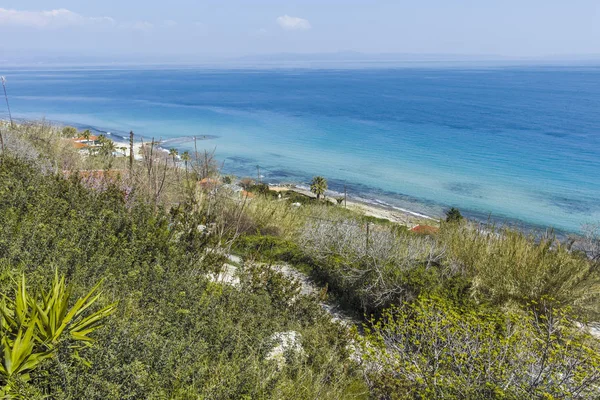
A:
{"x":221,"y":293}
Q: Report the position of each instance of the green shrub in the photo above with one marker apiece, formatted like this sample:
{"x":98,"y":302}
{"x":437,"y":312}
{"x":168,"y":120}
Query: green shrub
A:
{"x":175,"y":334}
{"x":432,"y":349}
{"x":508,"y":267}
{"x":453,"y":215}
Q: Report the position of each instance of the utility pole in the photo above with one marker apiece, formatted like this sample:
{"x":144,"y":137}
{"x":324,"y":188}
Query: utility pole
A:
{"x":258,"y":173}
{"x":131,"y":157}
{"x":367,"y":244}
{"x":3,"y":79}
{"x":345,"y":196}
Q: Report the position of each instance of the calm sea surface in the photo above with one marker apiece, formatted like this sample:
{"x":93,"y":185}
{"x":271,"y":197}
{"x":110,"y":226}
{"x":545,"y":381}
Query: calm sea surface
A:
{"x":519,"y":145}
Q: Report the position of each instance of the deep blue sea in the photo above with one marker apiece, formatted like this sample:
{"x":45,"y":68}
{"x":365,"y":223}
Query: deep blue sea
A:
{"x":519,"y":145}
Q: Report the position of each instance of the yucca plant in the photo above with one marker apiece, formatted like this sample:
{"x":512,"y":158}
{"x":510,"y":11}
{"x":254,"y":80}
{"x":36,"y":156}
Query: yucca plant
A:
{"x":22,"y":354}
{"x":32,"y":326}
{"x":20,"y":350}
{"x":54,"y":317}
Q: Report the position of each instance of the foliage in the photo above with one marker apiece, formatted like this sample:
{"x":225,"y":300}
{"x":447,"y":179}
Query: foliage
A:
{"x":473,"y":294}
{"x":259,"y":188}
{"x":318,"y":186}
{"x":453,"y":215}
{"x":54,"y":318}
{"x":270,"y":249}
{"x":431,"y":349}
{"x":246,"y":183}
{"x":175,"y":333}
{"x":69,"y":132}
{"x":185,"y":156}
{"x":509,"y":267}
{"x":107,"y":147}
{"x":33,"y":326}
{"x":173,"y":153}
{"x":295,"y":197}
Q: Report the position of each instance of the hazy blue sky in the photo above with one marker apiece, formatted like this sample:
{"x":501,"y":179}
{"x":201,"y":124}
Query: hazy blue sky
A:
{"x":243,"y":27}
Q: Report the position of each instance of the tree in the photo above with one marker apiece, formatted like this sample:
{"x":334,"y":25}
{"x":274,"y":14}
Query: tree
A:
{"x":318,"y":186}
{"x":69,"y":132}
{"x":185,"y":157}
{"x":173,"y":153}
{"x":453,"y":215}
{"x":86,"y":134}
{"x":107,"y":146}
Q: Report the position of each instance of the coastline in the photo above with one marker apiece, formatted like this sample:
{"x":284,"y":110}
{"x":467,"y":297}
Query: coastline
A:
{"x":366,"y":203}
{"x":393,"y":214}
{"x":374,"y":208}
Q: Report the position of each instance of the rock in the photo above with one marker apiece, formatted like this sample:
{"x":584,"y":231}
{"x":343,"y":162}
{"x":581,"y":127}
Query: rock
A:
{"x":286,"y":343}
{"x":226,"y":276}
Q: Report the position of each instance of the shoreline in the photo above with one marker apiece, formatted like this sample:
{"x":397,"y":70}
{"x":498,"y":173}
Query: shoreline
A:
{"x":381,"y":209}
{"x":388,"y":212}
{"x":372,"y":206}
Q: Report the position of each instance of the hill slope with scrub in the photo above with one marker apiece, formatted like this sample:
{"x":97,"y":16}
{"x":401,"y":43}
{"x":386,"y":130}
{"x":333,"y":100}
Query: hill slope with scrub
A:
{"x":466,"y":311}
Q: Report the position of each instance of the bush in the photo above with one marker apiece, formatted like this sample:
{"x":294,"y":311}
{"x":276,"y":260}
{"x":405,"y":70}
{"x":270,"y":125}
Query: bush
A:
{"x":175,"y":334}
{"x":372,"y":272}
{"x":508,"y":267}
{"x":453,"y":215}
{"x":259,"y":188}
{"x":431,"y":349}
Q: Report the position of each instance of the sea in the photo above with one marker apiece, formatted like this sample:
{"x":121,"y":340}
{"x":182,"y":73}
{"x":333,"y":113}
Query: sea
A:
{"x":511,"y":145}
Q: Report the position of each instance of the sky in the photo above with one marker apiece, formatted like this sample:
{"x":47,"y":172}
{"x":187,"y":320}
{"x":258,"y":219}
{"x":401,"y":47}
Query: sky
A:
{"x":197,"y":29}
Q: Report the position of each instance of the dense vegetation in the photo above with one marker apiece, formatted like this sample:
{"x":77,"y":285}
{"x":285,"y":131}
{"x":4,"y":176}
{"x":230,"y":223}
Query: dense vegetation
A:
{"x":175,"y":333}
{"x":468,"y":312}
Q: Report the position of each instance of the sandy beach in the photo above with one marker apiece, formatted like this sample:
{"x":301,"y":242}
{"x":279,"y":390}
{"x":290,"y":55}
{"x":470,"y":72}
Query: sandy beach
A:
{"x":406,"y":218}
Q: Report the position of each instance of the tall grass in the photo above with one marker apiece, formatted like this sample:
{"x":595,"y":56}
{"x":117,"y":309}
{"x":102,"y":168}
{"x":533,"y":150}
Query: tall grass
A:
{"x":508,"y":266}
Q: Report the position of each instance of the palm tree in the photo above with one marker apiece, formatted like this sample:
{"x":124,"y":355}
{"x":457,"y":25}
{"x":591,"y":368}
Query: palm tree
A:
{"x":86,"y":135}
{"x":173,"y":153}
{"x":318,"y":186}
{"x":185,"y":156}
{"x":107,"y":146}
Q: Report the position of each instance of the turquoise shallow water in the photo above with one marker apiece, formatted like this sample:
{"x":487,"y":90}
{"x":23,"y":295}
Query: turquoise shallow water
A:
{"x":519,"y":145}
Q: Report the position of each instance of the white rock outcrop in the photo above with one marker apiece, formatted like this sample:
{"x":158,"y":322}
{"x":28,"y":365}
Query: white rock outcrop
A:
{"x":286,"y":343}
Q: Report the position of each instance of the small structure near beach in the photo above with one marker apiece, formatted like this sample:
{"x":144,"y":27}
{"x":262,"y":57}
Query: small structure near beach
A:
{"x":425,"y":230}
{"x":86,"y":142}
